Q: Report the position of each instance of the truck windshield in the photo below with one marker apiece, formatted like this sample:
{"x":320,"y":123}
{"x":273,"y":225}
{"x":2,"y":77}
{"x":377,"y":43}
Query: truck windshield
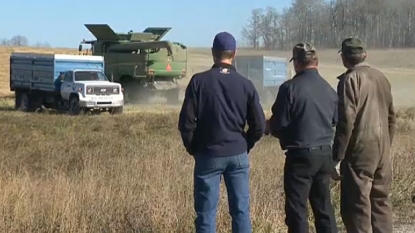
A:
{"x":90,"y":76}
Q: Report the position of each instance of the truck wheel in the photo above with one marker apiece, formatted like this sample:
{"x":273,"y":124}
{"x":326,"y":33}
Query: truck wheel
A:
{"x":17,"y":97}
{"x":74,"y":108}
{"x":22,"y":102}
{"x":116,"y":111}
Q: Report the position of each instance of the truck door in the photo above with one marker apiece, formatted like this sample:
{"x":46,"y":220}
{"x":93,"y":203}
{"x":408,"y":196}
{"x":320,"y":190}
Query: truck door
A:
{"x":66,"y":87}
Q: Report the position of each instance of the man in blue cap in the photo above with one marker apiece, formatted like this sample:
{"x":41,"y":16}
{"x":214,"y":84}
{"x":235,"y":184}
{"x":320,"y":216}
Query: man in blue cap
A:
{"x":216,"y":106}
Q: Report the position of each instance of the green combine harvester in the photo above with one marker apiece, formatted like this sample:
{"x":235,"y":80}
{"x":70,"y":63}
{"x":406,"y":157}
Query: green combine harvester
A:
{"x":141,"y":62}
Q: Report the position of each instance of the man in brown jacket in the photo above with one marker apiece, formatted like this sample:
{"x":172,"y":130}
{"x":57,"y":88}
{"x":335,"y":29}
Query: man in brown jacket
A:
{"x":364,"y":133}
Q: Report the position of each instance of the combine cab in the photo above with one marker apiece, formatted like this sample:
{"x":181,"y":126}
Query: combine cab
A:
{"x":141,"y":62}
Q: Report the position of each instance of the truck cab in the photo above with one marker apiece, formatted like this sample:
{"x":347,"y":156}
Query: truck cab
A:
{"x":90,"y":90}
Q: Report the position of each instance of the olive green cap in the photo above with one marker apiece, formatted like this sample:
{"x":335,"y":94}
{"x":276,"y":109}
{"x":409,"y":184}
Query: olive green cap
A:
{"x":353,"y":45}
{"x":301,"y":50}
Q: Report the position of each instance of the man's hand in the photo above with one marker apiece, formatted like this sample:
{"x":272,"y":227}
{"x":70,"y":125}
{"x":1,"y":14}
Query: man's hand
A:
{"x":336,"y":175}
{"x":267,"y":127}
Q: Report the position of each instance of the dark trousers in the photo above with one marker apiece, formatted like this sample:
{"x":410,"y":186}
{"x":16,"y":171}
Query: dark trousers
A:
{"x":307,"y":176}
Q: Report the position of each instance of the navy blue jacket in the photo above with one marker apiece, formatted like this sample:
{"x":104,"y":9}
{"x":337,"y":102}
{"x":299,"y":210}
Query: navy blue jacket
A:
{"x":305,"y":112}
{"x":217,"y":105}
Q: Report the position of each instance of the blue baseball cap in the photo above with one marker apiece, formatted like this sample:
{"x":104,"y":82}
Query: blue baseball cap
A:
{"x":224,"y":41}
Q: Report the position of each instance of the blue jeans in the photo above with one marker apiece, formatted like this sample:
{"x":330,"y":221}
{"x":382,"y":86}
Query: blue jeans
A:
{"x":207,"y":177}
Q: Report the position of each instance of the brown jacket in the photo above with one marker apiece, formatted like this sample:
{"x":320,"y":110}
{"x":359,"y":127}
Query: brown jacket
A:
{"x":366,"y":116}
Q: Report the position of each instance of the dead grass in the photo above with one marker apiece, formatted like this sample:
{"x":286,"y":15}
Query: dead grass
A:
{"x":117,"y":174}
{"x":130,"y":173}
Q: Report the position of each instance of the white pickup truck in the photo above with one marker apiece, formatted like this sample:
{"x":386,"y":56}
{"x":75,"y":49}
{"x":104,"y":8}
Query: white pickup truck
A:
{"x":74,"y":83}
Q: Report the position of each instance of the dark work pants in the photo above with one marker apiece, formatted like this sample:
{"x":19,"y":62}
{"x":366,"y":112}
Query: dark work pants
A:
{"x":307,"y":176}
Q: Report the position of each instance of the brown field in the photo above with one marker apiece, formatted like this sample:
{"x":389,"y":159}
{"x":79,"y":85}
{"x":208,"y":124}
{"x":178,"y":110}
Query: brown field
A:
{"x":130,"y":173}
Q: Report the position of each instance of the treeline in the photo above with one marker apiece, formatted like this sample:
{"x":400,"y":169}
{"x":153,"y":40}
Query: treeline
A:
{"x":20,"y":40}
{"x":381,"y":23}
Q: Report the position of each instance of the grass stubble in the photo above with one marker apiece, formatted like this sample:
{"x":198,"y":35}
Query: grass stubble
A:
{"x":130,"y":173}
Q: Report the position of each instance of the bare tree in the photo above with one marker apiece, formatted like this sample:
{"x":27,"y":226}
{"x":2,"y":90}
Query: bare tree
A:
{"x":251,"y":33}
{"x":4,"y":42}
{"x":269,"y":28}
{"x":19,"y":41}
{"x":381,"y":23}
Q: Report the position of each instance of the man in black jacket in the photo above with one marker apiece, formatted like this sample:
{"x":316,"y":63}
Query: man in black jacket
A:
{"x":217,"y":104}
{"x":303,"y":119}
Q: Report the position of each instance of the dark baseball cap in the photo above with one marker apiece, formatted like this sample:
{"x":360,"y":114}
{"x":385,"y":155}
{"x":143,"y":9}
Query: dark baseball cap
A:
{"x":224,"y":41}
{"x":301,"y":50}
{"x":353,"y":45}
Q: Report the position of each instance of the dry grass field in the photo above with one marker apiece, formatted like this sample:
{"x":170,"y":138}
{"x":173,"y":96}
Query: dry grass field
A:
{"x":130,"y":173}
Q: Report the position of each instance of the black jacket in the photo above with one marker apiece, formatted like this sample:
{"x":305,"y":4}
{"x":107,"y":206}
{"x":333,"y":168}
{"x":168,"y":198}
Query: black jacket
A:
{"x":218,"y":103}
{"x":305,"y":112}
